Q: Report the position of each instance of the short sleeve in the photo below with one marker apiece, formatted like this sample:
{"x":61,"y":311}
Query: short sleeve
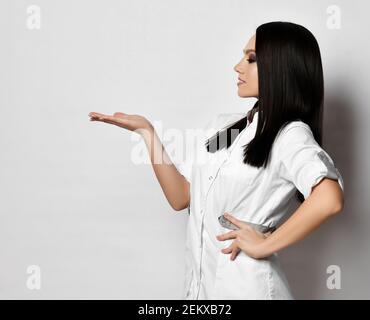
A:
{"x":303,"y":161}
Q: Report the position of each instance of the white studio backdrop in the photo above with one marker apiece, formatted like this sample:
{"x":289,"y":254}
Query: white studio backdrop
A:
{"x":77,"y":211}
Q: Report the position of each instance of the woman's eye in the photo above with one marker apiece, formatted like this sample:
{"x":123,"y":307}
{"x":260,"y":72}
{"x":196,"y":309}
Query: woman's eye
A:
{"x":251,"y":58}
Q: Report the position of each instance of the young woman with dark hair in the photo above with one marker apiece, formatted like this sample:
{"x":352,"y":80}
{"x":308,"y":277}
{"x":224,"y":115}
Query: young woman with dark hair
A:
{"x":255,"y":163}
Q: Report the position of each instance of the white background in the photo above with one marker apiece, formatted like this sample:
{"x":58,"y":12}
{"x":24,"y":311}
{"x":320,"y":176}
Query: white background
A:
{"x":72,"y":200}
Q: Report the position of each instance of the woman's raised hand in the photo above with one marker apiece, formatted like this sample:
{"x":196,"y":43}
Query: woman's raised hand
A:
{"x":132,"y":122}
{"x":173,"y":184}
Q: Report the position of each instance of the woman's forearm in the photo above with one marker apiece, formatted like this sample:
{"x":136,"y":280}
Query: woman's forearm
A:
{"x":174,"y":185}
{"x":325,"y":201}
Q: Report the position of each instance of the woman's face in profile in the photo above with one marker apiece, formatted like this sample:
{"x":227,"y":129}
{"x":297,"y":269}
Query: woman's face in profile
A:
{"x":247,"y":71}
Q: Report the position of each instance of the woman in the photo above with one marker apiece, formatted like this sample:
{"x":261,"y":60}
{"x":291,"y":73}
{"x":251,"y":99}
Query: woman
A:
{"x":253,"y":165}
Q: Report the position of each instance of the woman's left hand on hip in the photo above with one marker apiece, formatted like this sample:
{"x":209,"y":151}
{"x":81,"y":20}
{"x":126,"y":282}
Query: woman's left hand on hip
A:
{"x":247,"y":239}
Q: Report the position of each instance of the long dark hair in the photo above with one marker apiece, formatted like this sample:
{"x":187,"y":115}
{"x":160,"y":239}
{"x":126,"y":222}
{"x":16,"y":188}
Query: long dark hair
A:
{"x":291,"y":87}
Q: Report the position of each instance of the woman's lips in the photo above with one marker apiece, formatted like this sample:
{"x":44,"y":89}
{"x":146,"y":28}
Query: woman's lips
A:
{"x":240,"y":81}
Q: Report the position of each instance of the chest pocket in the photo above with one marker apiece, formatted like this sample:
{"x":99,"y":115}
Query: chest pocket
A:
{"x":237,"y":174}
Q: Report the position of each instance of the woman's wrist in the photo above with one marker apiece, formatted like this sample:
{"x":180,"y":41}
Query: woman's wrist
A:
{"x":147,"y":132}
{"x":263,"y":249}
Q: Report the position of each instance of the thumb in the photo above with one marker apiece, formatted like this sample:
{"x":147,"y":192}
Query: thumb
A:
{"x":119,"y":114}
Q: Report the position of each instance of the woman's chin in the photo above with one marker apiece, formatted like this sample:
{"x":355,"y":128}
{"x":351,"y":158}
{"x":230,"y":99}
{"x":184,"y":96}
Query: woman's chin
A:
{"x":242,"y":94}
{"x":246,"y":93}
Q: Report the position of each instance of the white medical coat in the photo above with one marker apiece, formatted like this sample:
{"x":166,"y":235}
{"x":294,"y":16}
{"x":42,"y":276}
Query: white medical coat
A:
{"x":220,"y":182}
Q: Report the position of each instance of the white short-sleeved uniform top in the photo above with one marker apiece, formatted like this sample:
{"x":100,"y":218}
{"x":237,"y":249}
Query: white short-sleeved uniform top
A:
{"x":220,"y":182}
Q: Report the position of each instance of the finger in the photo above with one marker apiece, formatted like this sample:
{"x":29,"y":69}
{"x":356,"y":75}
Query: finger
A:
{"x":237,"y":222}
{"x":228,"y":235}
{"x":95,"y":117}
{"x":124,"y":121}
{"x":109,"y":121}
{"x":96,"y":114}
{"x":228,"y":249}
{"x":112,"y":120}
{"x":234,"y":253}
{"x":107,"y":117}
{"x":104,"y":117}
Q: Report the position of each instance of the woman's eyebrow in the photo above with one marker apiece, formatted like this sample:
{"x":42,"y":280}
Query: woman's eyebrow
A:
{"x":248,"y":50}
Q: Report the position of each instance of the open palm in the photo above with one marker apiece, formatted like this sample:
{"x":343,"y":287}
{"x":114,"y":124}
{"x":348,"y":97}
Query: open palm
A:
{"x":132,"y":122}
